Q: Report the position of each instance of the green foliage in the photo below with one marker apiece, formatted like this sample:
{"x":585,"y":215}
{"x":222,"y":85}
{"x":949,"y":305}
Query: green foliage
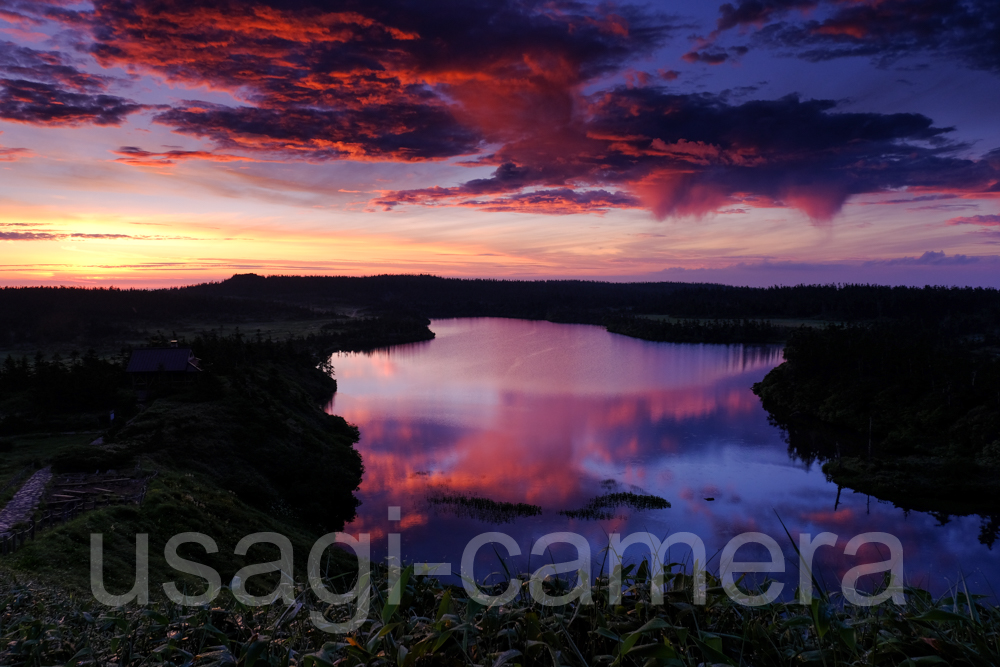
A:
{"x":33,"y":391}
{"x":436,"y":625}
{"x":369,"y":333}
{"x":243,"y":448}
{"x":175,"y":502}
{"x":90,"y":458}
{"x":263,"y":436}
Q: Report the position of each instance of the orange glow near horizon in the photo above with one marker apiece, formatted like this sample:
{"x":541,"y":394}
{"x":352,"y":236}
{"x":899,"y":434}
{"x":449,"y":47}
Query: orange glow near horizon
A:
{"x":179,"y":143}
{"x":49,"y":245}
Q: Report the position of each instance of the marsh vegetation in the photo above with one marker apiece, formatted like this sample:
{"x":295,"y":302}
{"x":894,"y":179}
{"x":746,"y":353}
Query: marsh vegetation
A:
{"x":603,"y":507}
{"x":483,"y":509}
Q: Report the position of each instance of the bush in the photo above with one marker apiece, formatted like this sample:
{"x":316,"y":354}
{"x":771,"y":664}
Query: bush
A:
{"x":88,"y":458}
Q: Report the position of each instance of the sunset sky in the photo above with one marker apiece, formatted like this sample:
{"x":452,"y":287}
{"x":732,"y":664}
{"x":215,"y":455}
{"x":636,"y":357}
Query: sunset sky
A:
{"x":151,"y":143}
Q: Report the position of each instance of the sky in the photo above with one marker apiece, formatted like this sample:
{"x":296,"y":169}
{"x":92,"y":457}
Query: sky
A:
{"x":753,"y":142}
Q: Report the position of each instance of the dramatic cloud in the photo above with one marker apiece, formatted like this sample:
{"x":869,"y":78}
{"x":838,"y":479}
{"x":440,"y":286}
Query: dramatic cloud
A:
{"x":386,"y":81}
{"x":399,"y":132}
{"x":692,"y":154}
{"x":506,"y":84}
{"x":45,"y":88}
{"x":884,"y":29}
{"x":48,"y":67}
{"x":46,"y":104}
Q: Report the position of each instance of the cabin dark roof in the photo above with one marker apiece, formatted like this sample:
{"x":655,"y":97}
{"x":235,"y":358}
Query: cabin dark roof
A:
{"x":169,"y":359}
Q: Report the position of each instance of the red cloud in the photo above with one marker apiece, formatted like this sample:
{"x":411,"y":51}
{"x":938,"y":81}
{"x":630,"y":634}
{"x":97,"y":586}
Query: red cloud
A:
{"x":141,"y":158}
{"x":395,"y":82}
{"x":985,"y":220}
{"x":563,"y":201}
{"x":682,"y":155}
{"x":378,"y":83}
{"x":13,"y":154}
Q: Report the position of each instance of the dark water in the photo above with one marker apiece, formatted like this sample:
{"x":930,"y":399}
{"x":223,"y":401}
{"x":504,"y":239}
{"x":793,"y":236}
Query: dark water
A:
{"x":554,"y":415}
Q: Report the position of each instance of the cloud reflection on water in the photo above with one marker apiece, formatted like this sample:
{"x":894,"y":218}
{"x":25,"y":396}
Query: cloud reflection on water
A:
{"x":542,"y":413}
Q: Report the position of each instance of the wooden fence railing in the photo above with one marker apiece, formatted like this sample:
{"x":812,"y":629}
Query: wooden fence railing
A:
{"x":14,"y":539}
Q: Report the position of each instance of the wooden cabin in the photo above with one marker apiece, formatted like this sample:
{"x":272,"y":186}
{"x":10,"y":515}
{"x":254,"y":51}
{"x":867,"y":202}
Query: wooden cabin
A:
{"x":149,"y":366}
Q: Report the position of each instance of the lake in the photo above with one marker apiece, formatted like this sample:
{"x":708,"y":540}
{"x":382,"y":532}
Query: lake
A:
{"x":556,"y":415}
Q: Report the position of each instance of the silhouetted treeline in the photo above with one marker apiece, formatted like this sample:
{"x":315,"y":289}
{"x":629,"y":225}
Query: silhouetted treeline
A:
{"x":39,"y":315}
{"x":591,"y":302}
{"x":698,"y":331}
{"x":237,"y":353}
{"x":369,"y":333}
{"x":916,"y":388}
{"x":903,"y":411}
{"x":32,"y":389}
{"x":251,"y":421}
{"x":227,"y":353}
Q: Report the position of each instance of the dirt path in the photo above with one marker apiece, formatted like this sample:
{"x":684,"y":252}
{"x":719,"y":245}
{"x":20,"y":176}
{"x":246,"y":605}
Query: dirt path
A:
{"x":24,"y":502}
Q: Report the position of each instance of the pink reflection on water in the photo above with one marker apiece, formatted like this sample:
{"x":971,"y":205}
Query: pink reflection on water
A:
{"x":554,"y":415}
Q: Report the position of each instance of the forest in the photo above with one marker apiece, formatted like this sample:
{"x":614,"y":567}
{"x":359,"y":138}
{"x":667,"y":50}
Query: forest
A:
{"x":37,"y":315}
{"x":895,"y":390}
{"x":905,"y":410}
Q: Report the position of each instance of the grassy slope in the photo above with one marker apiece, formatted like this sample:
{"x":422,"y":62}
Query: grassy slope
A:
{"x":176,"y":502}
{"x":240,"y":453}
{"x":245,"y":449}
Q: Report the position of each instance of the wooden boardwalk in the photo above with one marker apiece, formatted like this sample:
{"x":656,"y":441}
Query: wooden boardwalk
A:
{"x":22,"y":506}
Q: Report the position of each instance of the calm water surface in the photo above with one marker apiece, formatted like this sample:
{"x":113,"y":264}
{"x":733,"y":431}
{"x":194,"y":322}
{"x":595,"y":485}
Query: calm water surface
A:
{"x":555,"y":415}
